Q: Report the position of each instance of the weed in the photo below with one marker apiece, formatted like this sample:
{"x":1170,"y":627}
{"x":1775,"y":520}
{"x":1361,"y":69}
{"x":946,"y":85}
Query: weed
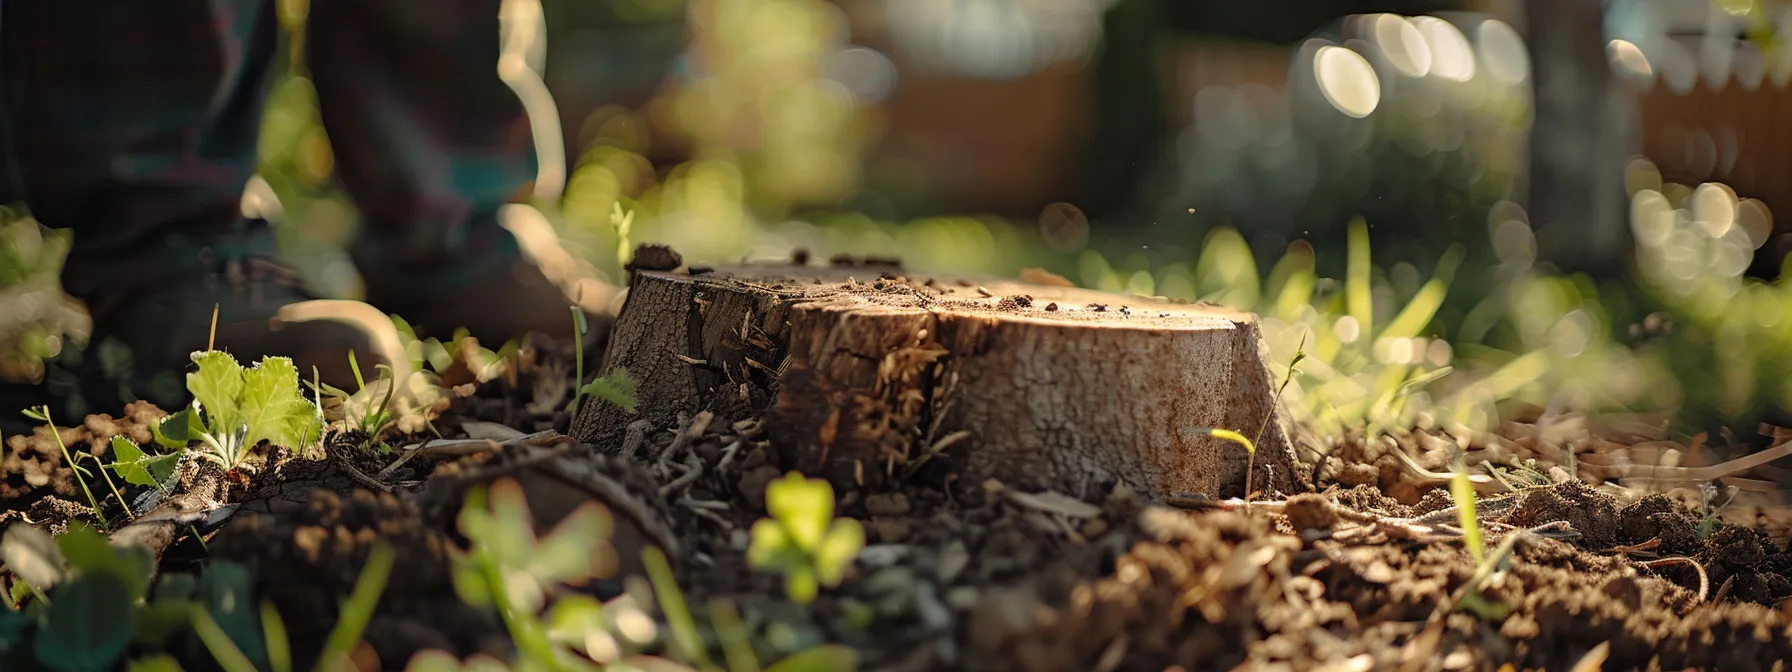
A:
{"x":239,"y":408}
{"x":42,"y":414}
{"x":622,"y":222}
{"x":802,"y":539}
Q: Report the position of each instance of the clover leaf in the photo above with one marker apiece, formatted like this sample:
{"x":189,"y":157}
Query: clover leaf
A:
{"x":802,"y":539}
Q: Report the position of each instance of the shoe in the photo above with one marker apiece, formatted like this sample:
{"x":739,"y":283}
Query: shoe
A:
{"x":487,"y":287}
{"x":152,"y":311}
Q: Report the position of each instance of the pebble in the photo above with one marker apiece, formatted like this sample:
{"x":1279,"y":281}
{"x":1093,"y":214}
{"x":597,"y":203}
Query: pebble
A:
{"x":891,"y":530}
{"x":887,"y":504}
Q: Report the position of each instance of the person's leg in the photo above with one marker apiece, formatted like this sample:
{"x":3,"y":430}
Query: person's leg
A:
{"x":135,"y":125}
{"x":430,"y":142}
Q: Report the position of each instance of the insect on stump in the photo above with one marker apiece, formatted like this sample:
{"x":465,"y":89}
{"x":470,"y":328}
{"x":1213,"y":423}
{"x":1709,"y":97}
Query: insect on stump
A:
{"x":870,"y":375}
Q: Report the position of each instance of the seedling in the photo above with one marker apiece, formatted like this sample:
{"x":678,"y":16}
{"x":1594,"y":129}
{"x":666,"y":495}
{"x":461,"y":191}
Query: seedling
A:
{"x":802,"y":538}
{"x":1709,"y":509}
{"x":367,"y":409}
{"x":241,"y":407}
{"x":1250,"y":449}
{"x":1300,"y":353}
{"x":616,"y":387}
{"x":42,"y":414}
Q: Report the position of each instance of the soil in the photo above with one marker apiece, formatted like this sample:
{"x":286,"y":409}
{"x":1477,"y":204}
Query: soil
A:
{"x":1365,"y":573}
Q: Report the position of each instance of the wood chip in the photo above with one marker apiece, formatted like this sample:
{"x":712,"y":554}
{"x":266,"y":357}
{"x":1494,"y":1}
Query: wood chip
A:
{"x":1053,"y":502}
{"x":476,"y":429}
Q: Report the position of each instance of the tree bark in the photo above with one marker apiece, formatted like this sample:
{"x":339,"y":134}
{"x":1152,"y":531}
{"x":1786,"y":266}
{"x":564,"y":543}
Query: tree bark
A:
{"x":871,"y":376}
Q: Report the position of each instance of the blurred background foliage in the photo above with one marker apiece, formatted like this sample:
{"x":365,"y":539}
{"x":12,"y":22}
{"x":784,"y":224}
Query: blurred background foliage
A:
{"x":1202,"y":151}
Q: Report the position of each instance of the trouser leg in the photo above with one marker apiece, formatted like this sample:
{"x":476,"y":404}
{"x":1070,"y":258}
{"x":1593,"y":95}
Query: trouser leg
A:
{"x":135,"y":125}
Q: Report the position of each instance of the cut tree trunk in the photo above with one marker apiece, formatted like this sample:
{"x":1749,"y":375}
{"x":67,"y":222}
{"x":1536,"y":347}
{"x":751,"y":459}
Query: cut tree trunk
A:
{"x":873,"y":376}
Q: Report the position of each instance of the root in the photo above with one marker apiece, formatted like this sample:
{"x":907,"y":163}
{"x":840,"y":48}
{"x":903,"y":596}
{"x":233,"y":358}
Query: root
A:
{"x":1704,"y":584}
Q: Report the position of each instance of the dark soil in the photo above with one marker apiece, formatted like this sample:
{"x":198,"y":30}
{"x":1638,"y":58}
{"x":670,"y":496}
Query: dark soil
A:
{"x":1366,"y":574}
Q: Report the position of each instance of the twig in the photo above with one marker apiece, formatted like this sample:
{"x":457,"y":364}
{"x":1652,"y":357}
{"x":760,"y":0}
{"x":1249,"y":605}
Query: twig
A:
{"x":728,"y":455}
{"x":1683,"y":560}
{"x":698,"y":426}
{"x":634,"y":435}
{"x":1724,"y":590}
{"x":706,"y":514}
{"x":362,"y":477}
{"x":1710,"y":473}
{"x":693,"y":471}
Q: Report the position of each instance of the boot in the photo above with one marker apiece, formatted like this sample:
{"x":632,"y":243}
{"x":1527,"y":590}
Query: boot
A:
{"x":151,"y":312}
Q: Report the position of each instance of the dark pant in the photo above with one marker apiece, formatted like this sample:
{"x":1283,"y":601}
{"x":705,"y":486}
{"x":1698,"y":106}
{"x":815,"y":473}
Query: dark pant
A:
{"x":135,"y":122}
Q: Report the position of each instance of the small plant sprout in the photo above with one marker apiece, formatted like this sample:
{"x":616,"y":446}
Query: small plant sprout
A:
{"x":42,"y":414}
{"x":1709,"y":508}
{"x":1463,"y":491}
{"x":243,"y":407}
{"x":1250,"y":449}
{"x":1250,"y":464}
{"x":616,"y":387}
{"x":802,"y":538}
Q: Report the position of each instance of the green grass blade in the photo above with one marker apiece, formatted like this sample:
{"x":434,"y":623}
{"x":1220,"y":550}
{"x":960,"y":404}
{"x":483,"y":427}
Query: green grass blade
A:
{"x":222,"y":649}
{"x":685,"y":638}
{"x":1463,"y":491}
{"x":1423,"y":307}
{"x":1357,"y":301}
{"x":357,"y":610}
{"x":274,"y":631}
{"x":735,"y":645}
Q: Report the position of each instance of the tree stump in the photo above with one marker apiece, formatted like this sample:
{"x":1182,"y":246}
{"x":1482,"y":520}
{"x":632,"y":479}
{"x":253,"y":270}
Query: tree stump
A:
{"x":873,"y":376}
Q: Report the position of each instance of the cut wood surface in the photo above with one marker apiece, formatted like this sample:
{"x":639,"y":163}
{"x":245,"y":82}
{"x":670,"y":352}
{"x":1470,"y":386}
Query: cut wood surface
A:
{"x":876,"y":375}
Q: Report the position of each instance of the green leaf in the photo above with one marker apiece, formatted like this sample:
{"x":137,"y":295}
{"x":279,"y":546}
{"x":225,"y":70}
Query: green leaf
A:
{"x":87,"y":626}
{"x":801,"y":583}
{"x":178,"y":429}
{"x":845,"y":538}
{"x":89,"y":552}
{"x":508,"y":535}
{"x":768,"y":542}
{"x":227,"y":599}
{"x":217,"y":386}
{"x":159,"y":620}
{"x":272,"y":407}
{"x":824,"y":658}
{"x":160,"y":662}
{"x":170,"y":586}
{"x":32,"y":556}
{"x":805,"y":507}
{"x":565,"y":555}
{"x":616,"y":387}
{"x":137,"y":468}
{"x":573,"y":618}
